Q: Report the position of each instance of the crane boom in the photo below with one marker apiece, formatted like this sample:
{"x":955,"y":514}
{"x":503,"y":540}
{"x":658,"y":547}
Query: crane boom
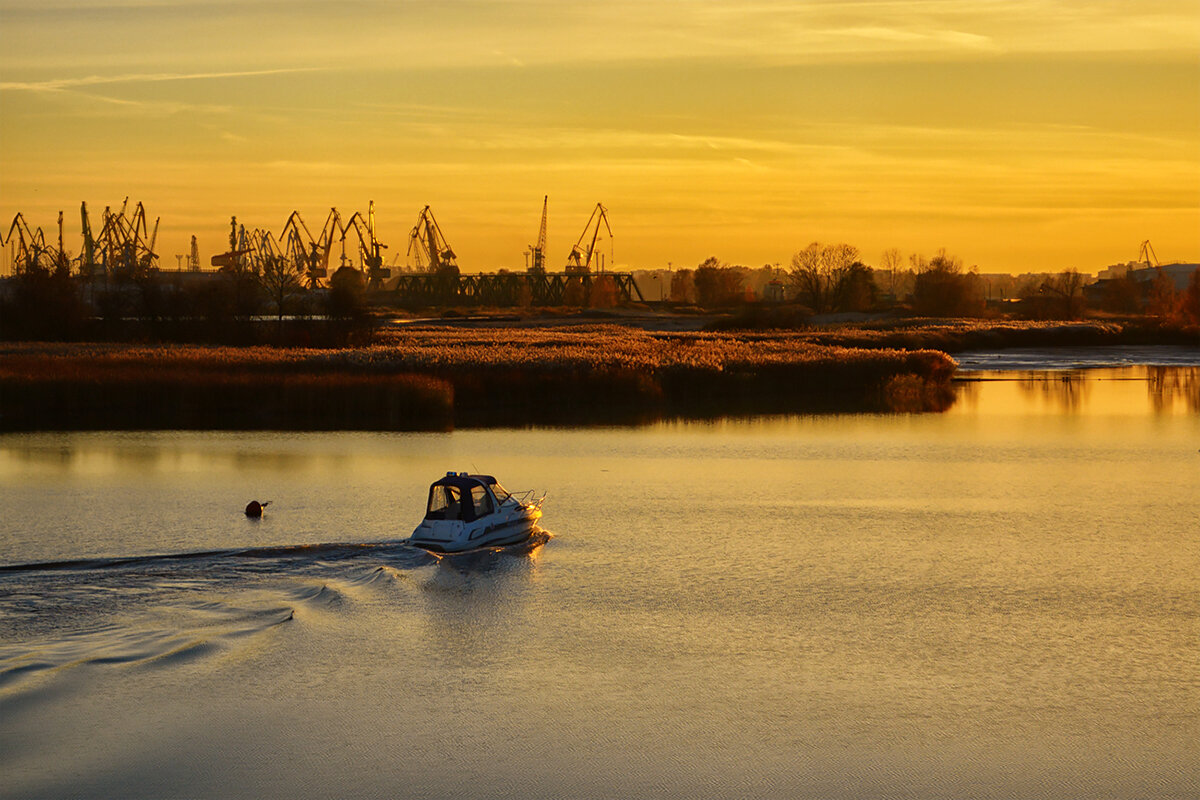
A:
{"x":428,"y":247}
{"x":88,"y":256}
{"x":1145,"y":254}
{"x":580,"y":260}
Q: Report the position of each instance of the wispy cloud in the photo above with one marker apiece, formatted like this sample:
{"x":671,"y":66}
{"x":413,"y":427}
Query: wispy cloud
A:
{"x":64,"y":84}
{"x":455,"y":34}
{"x":910,"y":36}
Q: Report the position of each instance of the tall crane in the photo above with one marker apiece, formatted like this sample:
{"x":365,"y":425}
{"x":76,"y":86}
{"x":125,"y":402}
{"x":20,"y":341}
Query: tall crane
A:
{"x":370,"y":248}
{"x":1146,"y":253}
{"x":310,"y":255}
{"x":149,"y":259}
{"x":428,"y":248}
{"x":538,"y":251}
{"x":87,"y":259}
{"x":30,"y":253}
{"x":232,"y":261}
{"x":62,"y":264}
{"x":580,"y":259}
{"x":126,"y":244}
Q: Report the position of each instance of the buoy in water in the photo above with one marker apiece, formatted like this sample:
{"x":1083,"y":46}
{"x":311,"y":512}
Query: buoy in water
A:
{"x":255,"y":508}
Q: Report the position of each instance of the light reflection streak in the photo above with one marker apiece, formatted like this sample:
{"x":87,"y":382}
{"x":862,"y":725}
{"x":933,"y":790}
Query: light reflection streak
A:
{"x":1075,"y":392}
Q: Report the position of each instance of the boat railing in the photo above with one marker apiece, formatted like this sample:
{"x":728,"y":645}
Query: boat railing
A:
{"x":526,"y":498}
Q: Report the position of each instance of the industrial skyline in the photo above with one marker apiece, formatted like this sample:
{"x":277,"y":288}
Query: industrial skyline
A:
{"x":1021,"y":136}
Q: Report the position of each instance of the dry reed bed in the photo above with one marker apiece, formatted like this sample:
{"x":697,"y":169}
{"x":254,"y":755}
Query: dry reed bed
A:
{"x":429,"y":378}
{"x":958,"y":335}
{"x":46,"y":387}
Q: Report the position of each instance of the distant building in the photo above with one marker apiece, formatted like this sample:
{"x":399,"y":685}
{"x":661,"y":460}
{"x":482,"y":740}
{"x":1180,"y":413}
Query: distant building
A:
{"x":1142,"y":276}
{"x":1179,"y":273}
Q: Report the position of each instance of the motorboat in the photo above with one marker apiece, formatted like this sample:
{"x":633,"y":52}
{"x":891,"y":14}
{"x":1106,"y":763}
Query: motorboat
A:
{"x":467,"y":512}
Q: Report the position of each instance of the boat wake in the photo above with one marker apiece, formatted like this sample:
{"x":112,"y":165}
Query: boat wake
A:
{"x":334,"y":551}
{"x":155,"y":611}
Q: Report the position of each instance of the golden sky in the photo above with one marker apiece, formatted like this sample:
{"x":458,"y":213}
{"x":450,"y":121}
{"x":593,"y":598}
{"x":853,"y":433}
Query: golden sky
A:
{"x":1020,"y":134}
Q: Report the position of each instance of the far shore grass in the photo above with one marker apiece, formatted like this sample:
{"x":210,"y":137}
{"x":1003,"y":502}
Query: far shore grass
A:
{"x":959,"y":335}
{"x":438,"y":378}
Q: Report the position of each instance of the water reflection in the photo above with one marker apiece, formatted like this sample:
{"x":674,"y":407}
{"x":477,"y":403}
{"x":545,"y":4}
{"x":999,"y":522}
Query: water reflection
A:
{"x":173,"y":451}
{"x":1158,"y":390}
{"x":930,"y":590}
{"x":1067,"y":391}
{"x":1170,"y":385}
{"x":496,"y":559}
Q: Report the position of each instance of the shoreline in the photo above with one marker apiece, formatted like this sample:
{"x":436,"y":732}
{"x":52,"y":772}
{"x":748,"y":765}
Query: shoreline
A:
{"x":439,"y":377}
{"x":436,"y":379}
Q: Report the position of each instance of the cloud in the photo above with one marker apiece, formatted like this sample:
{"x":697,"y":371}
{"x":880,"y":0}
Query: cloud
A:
{"x":453,"y":34}
{"x":61,"y":84}
{"x":909,"y":36}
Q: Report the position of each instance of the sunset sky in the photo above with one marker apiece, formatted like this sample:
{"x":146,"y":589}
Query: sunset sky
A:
{"x":1020,"y":135}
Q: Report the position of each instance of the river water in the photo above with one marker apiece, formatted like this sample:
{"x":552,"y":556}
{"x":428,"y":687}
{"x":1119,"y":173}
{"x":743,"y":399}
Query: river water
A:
{"x":1000,"y":601}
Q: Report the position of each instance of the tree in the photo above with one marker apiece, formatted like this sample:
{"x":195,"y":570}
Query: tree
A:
{"x":1189,"y":302}
{"x":347,"y":295}
{"x":42,"y":304}
{"x":890,"y":261}
{"x":1122,"y":295}
{"x":1056,"y":297}
{"x":941,"y":289}
{"x":683,"y":286}
{"x":1067,"y":290}
{"x":604,"y":291}
{"x":856,"y":291}
{"x":280,"y":279}
{"x":1161,"y":298}
{"x":716,"y":283}
{"x":819,"y":274}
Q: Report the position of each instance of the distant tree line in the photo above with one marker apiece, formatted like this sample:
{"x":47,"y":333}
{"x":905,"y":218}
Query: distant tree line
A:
{"x":230,"y":306}
{"x":833,"y":278}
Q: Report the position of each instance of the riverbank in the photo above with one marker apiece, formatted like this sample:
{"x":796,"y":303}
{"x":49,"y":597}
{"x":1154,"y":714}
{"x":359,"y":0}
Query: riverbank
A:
{"x":960,"y":335}
{"x":437,"y":378}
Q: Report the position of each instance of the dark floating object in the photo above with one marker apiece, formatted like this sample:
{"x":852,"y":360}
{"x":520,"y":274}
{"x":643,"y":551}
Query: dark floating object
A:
{"x":255,"y":508}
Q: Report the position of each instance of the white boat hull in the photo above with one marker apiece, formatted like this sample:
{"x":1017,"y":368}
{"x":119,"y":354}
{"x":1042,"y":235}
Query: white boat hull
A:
{"x":494,"y":530}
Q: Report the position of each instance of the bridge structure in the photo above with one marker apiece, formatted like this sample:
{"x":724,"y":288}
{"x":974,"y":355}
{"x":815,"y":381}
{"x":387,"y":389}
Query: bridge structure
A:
{"x":515,"y":288}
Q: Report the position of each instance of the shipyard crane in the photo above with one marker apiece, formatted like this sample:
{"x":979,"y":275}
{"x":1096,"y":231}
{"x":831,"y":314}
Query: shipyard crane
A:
{"x":262,"y":254}
{"x":126,"y":243}
{"x":580,"y":259}
{"x":29,"y":251}
{"x":310,"y":255}
{"x":62,"y":264}
{"x":300,"y":249}
{"x":150,"y":258}
{"x":428,"y":247}
{"x":370,"y":248}
{"x":538,"y":251}
{"x":1146,"y":253}
{"x":232,"y":261}
{"x":87,"y":259}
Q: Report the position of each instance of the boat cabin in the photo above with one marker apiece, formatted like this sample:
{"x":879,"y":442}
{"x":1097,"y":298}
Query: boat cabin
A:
{"x":464,"y":497}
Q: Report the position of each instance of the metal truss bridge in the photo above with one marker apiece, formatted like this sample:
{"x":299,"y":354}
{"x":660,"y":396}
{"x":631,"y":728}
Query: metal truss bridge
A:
{"x":513,"y":289}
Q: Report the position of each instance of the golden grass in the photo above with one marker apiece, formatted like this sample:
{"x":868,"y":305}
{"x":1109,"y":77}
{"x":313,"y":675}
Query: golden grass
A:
{"x":956,"y":335}
{"x":490,"y":376}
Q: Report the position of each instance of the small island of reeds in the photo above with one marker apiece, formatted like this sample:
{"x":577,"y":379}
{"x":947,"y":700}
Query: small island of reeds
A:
{"x":439,"y":378}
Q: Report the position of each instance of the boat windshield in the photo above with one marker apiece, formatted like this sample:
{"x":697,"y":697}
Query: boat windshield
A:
{"x":498,"y":490}
{"x":465,"y":502}
{"x":445,"y":502}
{"x":481,"y":501}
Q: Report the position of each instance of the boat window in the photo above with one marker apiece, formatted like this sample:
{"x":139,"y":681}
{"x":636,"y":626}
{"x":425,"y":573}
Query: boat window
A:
{"x":445,"y":502}
{"x":499,"y":491}
{"x":481,"y":501}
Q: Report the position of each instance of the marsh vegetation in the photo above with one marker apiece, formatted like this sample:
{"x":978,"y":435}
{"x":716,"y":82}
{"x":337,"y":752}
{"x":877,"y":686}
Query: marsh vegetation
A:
{"x":420,"y":379}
